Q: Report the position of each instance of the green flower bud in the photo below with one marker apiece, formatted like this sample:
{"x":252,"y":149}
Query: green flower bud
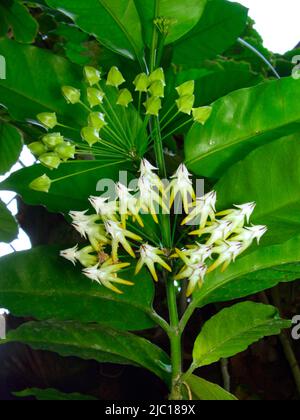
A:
{"x":48,"y":119}
{"x":97,"y":120}
{"x":50,"y":160}
{"x":65,"y":151}
{"x":141,"y":83}
{"x":157,"y":89}
{"x":95,"y":96}
{"x":71,"y":94}
{"x":202,"y":114}
{"x":41,"y":184}
{"x":90,"y":135}
{"x":52,"y":140}
{"x":125,"y":98}
{"x":158,"y":74}
{"x":186,"y":89}
{"x":37,"y":148}
{"x":115,"y":77}
{"x":153,"y":106}
{"x":92,"y":75}
{"x":185,"y":104}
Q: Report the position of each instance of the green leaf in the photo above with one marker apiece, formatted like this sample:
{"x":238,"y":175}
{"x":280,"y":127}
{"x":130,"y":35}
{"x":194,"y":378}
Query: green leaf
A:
{"x":52,"y":395}
{"x":31,"y":91}
{"x":241,"y":122}
{"x":115,"y":23}
{"x":248,"y":274}
{"x":207,"y":391}
{"x":14,"y":15}
{"x":93,"y":342}
{"x":221,"y":24}
{"x":234,"y":329}
{"x":8,"y":225}
{"x":185,"y":16}
{"x":10,"y":147}
{"x":270,"y":176}
{"x":61,"y":292}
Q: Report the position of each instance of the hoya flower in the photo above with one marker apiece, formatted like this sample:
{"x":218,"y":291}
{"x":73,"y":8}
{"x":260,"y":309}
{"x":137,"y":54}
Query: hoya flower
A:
{"x":202,"y":114}
{"x":48,"y":119}
{"x":105,"y":208}
{"x":50,"y":160}
{"x":147,"y":172}
{"x":186,"y":89}
{"x":159,"y":75}
{"x":228,"y":252}
{"x":204,"y":209}
{"x":196,"y":254}
{"x":195,"y":274}
{"x":149,"y":257}
{"x":95,"y":96}
{"x":239,"y":215}
{"x":52,"y":140}
{"x":149,"y":199}
{"x":125,"y":98}
{"x":153,"y":106}
{"x":157,"y":89}
{"x":219,"y":230}
{"x":248,"y":234}
{"x":107,"y":274}
{"x":82,"y":216}
{"x":185,"y":104}
{"x":41,"y":184}
{"x":128,"y":205}
{"x":97,"y":120}
{"x":71,"y":94}
{"x":92,"y":75}
{"x":37,"y":148}
{"x":119,"y":236}
{"x":84,"y":256}
{"x":90,"y":135}
{"x":141,"y":83}
{"x":115,"y":77}
{"x":94,"y":231}
{"x":183,"y":185}
{"x":65,"y":151}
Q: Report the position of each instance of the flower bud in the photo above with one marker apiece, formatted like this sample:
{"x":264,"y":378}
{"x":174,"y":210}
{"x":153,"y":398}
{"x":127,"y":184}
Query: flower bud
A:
{"x":90,"y":135}
{"x":48,"y":119}
{"x":97,"y":120}
{"x":95,"y":96}
{"x":71,"y":94}
{"x":141,"y":82}
{"x":37,"y":148}
{"x":185,"y":104}
{"x":186,"y":89}
{"x":125,"y":98}
{"x":65,"y":151}
{"x":157,"y":74}
{"x":92,"y":75}
{"x":115,"y":77}
{"x":50,"y":160}
{"x":202,"y":114}
{"x":41,"y":184}
{"x":153,"y":106}
{"x":157,"y":89}
{"x":52,"y":140}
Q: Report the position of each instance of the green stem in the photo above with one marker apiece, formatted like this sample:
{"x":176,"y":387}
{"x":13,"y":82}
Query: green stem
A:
{"x":177,"y":128}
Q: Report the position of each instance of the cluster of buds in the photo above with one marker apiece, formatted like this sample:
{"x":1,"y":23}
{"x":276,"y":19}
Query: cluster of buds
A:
{"x":221,"y":237}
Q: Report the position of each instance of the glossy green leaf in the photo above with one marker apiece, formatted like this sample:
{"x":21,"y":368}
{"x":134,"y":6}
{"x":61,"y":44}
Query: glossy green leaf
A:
{"x":14,"y":15}
{"x":33,"y":83}
{"x":270,"y":176}
{"x":248,"y":274}
{"x":220,"y":26}
{"x":45,"y":286}
{"x":234,"y":329}
{"x":52,"y":395}
{"x":93,"y":342}
{"x":8,"y":225}
{"x":10,"y":147}
{"x":241,"y":122}
{"x":207,"y":391}
{"x":115,"y":23}
{"x":184,"y":16}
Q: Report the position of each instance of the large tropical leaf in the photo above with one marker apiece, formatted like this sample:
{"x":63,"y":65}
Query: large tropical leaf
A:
{"x":8,"y":225}
{"x":10,"y":147}
{"x":184,"y":16}
{"x":234,"y":329}
{"x":93,"y":342}
{"x":115,"y":23}
{"x":52,"y":395}
{"x":241,"y":122}
{"x":40,"y":284}
{"x":207,"y":391}
{"x":221,"y":24}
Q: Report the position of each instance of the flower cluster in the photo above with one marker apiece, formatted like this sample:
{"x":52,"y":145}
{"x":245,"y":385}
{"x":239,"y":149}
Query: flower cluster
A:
{"x":221,"y":237}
